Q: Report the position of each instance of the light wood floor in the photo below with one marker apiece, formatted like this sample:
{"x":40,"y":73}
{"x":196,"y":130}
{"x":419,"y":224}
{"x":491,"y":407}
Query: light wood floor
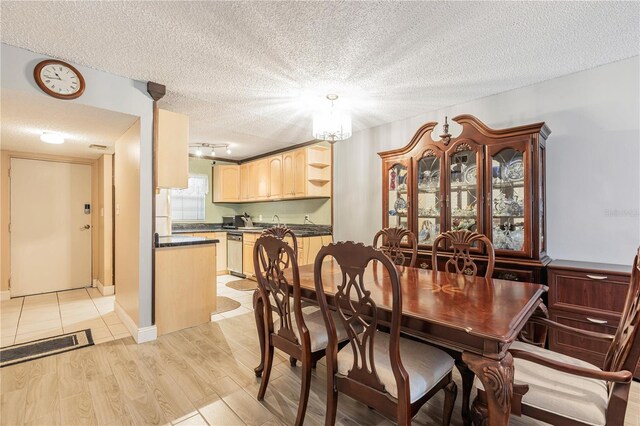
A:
{"x":203,"y":375}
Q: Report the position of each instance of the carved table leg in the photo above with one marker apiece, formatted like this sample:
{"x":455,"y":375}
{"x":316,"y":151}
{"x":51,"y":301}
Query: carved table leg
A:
{"x":258,"y":311}
{"x":497,"y":378}
{"x":467,"y":384}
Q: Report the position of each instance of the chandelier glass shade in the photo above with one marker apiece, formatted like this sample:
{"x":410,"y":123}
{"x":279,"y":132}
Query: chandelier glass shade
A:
{"x":332,"y":124}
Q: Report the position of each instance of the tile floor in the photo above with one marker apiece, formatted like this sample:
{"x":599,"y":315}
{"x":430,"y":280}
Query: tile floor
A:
{"x":28,"y":318}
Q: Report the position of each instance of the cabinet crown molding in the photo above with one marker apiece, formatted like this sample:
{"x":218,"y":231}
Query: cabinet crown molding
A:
{"x":471,"y":126}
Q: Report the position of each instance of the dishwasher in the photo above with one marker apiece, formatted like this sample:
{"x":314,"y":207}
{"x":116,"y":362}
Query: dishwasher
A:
{"x":234,"y":253}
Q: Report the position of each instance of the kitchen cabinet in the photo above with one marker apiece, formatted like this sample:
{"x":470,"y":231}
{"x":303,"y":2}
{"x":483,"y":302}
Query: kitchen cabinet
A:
{"x":244,"y":182}
{"x":221,"y":249}
{"x":172,"y":150}
{"x":262,"y":176}
{"x":248,"y":243}
{"x":296,"y":174}
{"x":185,"y":286}
{"x":483,"y":180}
{"x":308,"y":248}
{"x":288,"y":175}
{"x":275,"y":177}
{"x":226,"y":183}
{"x":589,"y":296}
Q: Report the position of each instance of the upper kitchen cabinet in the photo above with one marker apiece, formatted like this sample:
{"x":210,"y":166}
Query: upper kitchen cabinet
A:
{"x":300,"y":173}
{"x":172,"y":150}
{"x":484,"y":180}
{"x":275,"y":177}
{"x":226,"y":183}
{"x":310,"y":172}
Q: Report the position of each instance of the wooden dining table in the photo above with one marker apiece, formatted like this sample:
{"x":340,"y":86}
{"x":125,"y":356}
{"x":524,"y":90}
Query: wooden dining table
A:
{"x":473,"y":318}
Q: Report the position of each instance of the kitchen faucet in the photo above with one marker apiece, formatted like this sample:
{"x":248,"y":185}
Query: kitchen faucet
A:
{"x":275,"y":216}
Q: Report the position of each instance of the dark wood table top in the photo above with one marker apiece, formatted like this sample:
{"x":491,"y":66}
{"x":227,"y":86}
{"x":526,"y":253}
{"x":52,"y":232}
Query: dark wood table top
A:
{"x":491,"y":309}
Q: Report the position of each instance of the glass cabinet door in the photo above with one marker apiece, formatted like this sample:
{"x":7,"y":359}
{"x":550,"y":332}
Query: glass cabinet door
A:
{"x":398,"y":193}
{"x":429,"y":198}
{"x":464,"y":189}
{"x":508,"y":195}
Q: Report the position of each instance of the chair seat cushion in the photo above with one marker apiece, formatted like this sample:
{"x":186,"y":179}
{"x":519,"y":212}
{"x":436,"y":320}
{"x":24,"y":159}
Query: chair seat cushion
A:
{"x":425,"y":365}
{"x":574,"y":397}
{"x":317,"y":329}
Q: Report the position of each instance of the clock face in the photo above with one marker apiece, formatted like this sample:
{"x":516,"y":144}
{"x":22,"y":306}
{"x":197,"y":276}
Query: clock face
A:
{"x":59,"y":79}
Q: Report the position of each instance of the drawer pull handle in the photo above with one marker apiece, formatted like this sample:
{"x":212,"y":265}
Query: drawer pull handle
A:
{"x":597,"y":277}
{"x":596,"y":321}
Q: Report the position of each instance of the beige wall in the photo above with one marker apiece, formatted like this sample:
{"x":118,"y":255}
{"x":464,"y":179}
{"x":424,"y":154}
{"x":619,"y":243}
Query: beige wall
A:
{"x":104,"y":213}
{"x":127,"y":221}
{"x":290,"y":212}
{"x":5,"y":208}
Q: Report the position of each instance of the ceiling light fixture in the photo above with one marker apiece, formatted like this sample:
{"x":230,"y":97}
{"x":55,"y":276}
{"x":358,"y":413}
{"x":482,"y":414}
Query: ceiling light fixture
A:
{"x":332,"y":124}
{"x":52,"y":138}
{"x":201,"y":147}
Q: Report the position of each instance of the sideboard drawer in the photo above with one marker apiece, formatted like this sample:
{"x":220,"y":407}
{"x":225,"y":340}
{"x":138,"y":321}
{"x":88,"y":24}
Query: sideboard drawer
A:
{"x":587,"y":291}
{"x":514,"y":275}
{"x":590,"y":350}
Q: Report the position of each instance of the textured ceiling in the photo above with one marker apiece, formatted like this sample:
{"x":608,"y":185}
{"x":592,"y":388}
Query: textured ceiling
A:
{"x":25,"y":116}
{"x":250,"y":73}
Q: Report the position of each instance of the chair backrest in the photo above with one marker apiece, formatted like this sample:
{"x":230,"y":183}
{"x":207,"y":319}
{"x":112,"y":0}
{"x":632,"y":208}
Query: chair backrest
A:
{"x":624,"y":352}
{"x":281,"y":232}
{"x":271,"y":257}
{"x":392,"y":244}
{"x":356,"y":309}
{"x":461,"y":261}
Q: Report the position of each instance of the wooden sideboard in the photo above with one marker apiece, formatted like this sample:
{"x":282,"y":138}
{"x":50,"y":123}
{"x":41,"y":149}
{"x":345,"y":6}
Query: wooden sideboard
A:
{"x":589,"y":296}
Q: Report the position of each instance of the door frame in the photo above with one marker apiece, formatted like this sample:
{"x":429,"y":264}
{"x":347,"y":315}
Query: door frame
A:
{"x":5,"y":213}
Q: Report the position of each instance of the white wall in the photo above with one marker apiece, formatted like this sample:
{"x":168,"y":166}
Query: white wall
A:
{"x":593,"y":153}
{"x":107,"y":91}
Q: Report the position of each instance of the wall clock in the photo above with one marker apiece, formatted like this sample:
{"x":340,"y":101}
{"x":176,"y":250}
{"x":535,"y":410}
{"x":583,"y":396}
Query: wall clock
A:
{"x":59,"y":79}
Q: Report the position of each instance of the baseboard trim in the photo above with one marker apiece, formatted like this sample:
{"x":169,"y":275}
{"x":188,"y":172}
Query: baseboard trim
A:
{"x":105,"y":290}
{"x":140,"y":334}
{"x":5,"y":295}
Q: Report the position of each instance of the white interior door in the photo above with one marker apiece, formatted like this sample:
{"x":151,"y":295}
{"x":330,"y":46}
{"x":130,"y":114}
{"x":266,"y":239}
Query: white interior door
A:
{"x":50,"y":232}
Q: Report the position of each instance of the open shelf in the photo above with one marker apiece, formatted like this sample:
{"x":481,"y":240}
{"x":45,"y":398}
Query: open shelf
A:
{"x":319,"y":165}
{"x":320,"y":181}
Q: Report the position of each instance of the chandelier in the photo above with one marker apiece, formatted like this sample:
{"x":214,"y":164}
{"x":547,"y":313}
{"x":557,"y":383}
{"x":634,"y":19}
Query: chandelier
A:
{"x":332,"y":124}
{"x":209,"y":148}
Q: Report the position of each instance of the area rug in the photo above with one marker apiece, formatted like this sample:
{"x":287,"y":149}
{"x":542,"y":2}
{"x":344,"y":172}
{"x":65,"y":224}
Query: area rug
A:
{"x":225,"y":304}
{"x":48,"y":346}
{"x":243,"y":285}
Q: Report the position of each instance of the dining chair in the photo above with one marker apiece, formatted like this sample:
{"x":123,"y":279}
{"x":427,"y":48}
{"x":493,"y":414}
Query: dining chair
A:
{"x":281,"y":231}
{"x":391,"y":374}
{"x":300,"y":334}
{"x":461,"y":262}
{"x":563,"y":390}
{"x":392,"y":244}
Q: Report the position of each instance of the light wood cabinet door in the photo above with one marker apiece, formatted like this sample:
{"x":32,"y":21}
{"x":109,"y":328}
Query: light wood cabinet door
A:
{"x":275,"y":177}
{"x":287,"y":175}
{"x":252,"y":181}
{"x":247,"y":259}
{"x":172,"y":158}
{"x":244,"y":182}
{"x":300,"y":173}
{"x":262,"y":179}
{"x":226,"y":185}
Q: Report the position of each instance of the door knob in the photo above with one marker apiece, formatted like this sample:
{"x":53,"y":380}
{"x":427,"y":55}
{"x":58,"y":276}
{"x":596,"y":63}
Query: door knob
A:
{"x":85,"y":227}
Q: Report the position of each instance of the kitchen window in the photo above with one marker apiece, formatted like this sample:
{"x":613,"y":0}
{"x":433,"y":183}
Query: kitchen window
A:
{"x":189,"y":203}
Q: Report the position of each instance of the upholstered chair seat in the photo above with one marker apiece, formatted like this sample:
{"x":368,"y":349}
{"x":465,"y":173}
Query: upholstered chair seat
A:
{"x":317,"y":330}
{"x":567,"y":395}
{"x":426,"y":366}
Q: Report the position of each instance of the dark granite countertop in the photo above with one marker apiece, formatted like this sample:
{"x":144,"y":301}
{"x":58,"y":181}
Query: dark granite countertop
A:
{"x":298,"y":230}
{"x":181,"y":240}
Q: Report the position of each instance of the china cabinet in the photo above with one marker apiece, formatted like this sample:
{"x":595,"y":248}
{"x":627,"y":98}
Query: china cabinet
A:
{"x":484,"y":180}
